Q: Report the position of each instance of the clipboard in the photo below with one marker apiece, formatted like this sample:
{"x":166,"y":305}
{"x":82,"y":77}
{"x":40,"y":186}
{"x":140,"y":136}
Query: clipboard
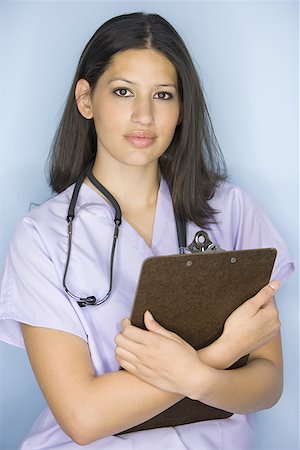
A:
{"x":192,"y":295}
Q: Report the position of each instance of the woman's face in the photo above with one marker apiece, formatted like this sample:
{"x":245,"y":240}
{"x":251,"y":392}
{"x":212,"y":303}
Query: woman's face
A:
{"x":136,"y":107}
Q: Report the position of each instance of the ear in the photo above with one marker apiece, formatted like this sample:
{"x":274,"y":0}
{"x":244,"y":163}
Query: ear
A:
{"x":83,"y":98}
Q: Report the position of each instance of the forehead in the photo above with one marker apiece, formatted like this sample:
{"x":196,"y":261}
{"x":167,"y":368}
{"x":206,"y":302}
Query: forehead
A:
{"x":138,"y":63}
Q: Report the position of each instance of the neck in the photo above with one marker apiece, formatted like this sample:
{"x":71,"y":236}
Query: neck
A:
{"x":134,"y":188}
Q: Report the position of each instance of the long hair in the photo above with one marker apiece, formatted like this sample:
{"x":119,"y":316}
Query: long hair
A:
{"x":193,"y":164}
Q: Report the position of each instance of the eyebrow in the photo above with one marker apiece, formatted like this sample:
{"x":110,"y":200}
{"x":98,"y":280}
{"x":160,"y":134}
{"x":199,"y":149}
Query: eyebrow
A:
{"x":136,"y":84}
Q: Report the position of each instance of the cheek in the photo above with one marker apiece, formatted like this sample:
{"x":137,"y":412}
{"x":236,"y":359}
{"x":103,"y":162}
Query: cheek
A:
{"x":107,"y":119}
{"x":169,"y":122}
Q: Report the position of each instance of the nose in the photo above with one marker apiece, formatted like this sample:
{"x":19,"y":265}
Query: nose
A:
{"x":142,"y":112}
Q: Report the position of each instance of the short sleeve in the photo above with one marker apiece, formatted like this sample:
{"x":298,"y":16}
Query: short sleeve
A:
{"x":31,"y":289}
{"x":253,"y":229}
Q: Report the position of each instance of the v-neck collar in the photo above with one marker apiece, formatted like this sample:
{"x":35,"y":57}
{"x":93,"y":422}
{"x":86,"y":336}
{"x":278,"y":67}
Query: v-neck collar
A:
{"x":163,"y":215}
{"x":163,"y":220}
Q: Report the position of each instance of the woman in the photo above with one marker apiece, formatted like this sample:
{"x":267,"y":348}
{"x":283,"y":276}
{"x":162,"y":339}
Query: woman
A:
{"x":136,"y":116}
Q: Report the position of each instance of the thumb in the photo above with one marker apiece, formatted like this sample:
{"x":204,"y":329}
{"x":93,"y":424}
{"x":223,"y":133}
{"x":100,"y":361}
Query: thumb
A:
{"x":154,"y":326}
{"x":266,"y":293}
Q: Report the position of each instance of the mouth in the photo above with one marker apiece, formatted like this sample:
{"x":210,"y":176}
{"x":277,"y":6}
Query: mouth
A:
{"x":140,"y":139}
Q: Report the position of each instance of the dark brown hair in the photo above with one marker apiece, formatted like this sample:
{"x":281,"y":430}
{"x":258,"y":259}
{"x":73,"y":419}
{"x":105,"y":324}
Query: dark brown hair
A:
{"x":193,"y":164}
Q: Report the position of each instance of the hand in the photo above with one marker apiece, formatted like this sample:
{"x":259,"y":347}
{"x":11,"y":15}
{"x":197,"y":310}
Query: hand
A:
{"x":253,"y":324}
{"x":158,"y":356}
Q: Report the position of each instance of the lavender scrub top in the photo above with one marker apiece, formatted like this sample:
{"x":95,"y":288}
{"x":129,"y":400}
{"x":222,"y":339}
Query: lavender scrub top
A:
{"x":32,"y":293}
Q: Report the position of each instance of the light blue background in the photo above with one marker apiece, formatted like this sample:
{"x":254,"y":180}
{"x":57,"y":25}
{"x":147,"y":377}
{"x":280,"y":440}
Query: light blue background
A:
{"x":247,"y":55}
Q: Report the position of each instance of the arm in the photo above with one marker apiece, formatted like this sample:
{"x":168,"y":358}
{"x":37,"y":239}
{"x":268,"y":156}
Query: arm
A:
{"x":86,"y":406}
{"x":249,"y":327}
{"x":253,"y":328}
{"x":239,"y":389}
{"x":256,"y":386}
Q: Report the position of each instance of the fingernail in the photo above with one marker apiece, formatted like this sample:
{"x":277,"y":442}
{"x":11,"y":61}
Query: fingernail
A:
{"x":150,"y":317}
{"x":275,"y":284}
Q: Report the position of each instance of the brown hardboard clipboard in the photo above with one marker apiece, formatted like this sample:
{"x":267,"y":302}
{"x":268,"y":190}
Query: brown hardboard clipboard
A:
{"x":192,"y":295}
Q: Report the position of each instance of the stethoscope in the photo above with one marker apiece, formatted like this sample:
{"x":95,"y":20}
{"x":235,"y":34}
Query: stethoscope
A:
{"x":200,"y":243}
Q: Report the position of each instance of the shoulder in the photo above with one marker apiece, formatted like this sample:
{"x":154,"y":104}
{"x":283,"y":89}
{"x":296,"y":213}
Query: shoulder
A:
{"x":47,"y":218}
{"x":242,"y":224}
{"x":53,"y":209}
{"x":234,"y":206}
{"x":45,"y":227}
{"x":237,"y":210}
{"x":229,"y":195}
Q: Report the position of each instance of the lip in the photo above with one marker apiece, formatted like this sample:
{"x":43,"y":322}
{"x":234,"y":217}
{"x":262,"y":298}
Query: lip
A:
{"x":141,"y":134}
{"x":140,"y":139}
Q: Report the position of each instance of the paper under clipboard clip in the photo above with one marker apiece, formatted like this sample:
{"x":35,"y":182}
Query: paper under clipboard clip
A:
{"x":202,"y":243}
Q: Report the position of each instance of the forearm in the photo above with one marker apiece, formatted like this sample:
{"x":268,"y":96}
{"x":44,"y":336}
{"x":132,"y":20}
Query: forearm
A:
{"x":256,"y":386}
{"x":164,"y":359}
{"x":117,"y":401}
{"x":88,"y":407}
{"x":218,"y":355}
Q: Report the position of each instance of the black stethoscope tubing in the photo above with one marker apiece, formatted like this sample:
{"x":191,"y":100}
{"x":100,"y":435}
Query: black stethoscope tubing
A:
{"x":91,"y":300}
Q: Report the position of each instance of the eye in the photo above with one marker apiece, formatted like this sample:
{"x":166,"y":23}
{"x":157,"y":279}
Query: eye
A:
{"x":122,"y":92}
{"x":163,"y":95}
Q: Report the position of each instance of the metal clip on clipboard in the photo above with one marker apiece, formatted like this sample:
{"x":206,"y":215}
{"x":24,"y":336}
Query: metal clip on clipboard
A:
{"x":202,"y":243}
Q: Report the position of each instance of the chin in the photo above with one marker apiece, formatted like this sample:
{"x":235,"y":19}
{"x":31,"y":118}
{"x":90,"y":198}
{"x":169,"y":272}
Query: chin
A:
{"x":139,"y":160}
{"x":139,"y":163}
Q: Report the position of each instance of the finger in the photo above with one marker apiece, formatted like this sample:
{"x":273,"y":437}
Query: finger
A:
{"x":125,"y":323}
{"x":139,"y":361}
{"x":124,"y":355}
{"x":128,"y":366}
{"x":265,"y":294}
{"x":135,"y":334}
{"x":127,"y":344}
{"x":270,"y":303}
{"x":154,"y":326}
{"x":270,"y":308}
{"x":137,"y":369}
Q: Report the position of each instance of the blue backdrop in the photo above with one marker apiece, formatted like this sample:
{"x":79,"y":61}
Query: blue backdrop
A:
{"x":247,"y":56}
